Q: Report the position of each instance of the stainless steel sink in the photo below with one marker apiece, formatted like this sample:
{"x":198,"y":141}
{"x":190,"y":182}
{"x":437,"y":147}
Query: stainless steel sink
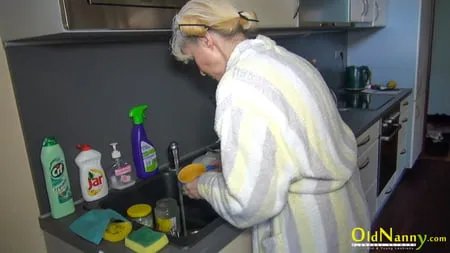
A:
{"x":201,"y":219}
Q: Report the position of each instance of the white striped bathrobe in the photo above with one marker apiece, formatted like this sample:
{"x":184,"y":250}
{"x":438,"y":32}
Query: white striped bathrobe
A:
{"x":288,"y":159}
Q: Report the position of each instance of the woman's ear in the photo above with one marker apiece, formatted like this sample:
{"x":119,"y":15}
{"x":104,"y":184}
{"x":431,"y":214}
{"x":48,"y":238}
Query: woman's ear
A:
{"x":207,"y":41}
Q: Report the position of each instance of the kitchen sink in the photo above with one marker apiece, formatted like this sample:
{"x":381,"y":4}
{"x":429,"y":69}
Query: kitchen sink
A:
{"x":201,"y":219}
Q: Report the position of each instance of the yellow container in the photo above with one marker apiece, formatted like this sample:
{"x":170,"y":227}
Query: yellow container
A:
{"x":191,"y":172}
{"x":142,"y":214}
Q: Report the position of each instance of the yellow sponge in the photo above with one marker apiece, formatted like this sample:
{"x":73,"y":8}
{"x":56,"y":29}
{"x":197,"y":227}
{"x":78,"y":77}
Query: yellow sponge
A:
{"x":145,"y":240}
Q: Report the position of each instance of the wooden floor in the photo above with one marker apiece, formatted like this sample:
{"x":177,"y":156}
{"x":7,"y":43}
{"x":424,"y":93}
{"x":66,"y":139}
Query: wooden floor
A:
{"x":420,"y":205}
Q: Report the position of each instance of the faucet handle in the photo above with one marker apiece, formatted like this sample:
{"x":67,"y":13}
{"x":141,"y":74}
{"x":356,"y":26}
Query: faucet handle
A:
{"x":173,"y":156}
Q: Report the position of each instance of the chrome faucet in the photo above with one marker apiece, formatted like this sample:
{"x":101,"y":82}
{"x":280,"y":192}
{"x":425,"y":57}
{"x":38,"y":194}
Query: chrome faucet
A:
{"x":174,"y":166}
{"x":174,"y":157}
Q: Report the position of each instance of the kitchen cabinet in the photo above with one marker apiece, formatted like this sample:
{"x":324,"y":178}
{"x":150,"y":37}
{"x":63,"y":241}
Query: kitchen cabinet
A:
{"x":337,"y":11}
{"x":417,"y":128}
{"x":403,"y":150}
{"x":387,"y":191}
{"x":368,"y":162}
{"x":410,"y":23}
{"x":242,"y":243}
{"x":271,"y":14}
{"x":380,"y":15}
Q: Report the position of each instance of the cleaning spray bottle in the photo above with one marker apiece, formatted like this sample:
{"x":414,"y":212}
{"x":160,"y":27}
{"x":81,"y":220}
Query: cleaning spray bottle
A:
{"x":144,"y":153}
{"x":56,"y":179}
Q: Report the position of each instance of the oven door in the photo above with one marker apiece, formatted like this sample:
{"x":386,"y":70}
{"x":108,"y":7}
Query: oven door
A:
{"x":388,"y":157}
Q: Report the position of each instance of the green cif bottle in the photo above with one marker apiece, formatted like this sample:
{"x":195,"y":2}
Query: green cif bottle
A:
{"x":56,"y":179}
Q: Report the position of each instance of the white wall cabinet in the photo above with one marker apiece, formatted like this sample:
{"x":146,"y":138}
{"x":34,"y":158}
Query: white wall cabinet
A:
{"x":343,"y":11}
{"x":362,"y":10}
{"x":380,"y":16}
{"x":271,"y":14}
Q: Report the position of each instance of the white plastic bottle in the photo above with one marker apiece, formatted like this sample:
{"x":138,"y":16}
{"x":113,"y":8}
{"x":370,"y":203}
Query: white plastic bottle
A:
{"x":94,"y":184}
{"x":121,"y":175}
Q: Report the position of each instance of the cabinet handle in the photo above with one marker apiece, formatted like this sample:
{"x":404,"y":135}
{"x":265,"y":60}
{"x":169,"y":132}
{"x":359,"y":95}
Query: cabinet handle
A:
{"x":363,"y":10}
{"x":364,"y":142}
{"x":406,"y":103}
{"x":404,"y":120}
{"x":365,"y":164}
{"x":403,"y":151}
{"x":297,"y":11}
{"x":377,"y":7}
{"x":388,"y":191}
{"x":366,"y":5}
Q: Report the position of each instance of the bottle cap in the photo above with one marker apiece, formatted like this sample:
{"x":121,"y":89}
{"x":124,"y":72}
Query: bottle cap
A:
{"x":49,"y":141}
{"x":115,"y":153}
{"x":84,"y":147}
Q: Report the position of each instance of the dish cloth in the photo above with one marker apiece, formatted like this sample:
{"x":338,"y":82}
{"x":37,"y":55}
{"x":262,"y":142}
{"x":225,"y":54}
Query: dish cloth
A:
{"x":92,"y":225}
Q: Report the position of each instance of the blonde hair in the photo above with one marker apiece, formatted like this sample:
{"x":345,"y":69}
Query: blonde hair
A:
{"x":199,"y":16}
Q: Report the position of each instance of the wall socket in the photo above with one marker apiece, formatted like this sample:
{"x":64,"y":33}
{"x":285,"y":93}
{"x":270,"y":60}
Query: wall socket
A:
{"x":338,"y":54}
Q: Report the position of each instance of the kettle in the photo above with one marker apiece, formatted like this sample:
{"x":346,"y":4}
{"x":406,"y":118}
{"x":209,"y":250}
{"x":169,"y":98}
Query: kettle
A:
{"x":357,"y":78}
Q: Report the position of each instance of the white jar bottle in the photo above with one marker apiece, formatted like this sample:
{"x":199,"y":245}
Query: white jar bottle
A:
{"x":94,"y":184}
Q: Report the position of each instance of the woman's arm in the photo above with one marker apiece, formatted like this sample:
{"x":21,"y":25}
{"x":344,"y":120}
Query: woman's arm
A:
{"x":256,"y":172}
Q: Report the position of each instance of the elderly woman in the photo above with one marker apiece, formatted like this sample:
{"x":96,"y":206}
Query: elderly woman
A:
{"x":288,"y":160}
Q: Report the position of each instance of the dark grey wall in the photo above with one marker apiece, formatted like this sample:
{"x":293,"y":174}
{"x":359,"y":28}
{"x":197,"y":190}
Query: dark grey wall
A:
{"x":322,"y":47}
{"x":82,"y":93}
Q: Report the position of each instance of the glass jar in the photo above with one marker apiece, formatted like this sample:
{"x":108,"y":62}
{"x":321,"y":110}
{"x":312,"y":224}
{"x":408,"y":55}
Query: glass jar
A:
{"x":142,"y":214}
{"x":167,"y":216}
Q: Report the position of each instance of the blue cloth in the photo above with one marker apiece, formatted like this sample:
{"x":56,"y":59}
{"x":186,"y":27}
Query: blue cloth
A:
{"x":92,"y":225}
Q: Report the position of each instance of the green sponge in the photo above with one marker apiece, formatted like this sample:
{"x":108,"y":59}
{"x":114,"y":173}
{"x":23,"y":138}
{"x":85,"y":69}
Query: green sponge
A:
{"x":145,"y":240}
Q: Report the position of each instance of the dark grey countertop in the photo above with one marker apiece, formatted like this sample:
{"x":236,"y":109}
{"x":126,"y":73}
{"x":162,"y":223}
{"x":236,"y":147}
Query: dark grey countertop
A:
{"x":358,"y":120}
{"x":214,"y":242}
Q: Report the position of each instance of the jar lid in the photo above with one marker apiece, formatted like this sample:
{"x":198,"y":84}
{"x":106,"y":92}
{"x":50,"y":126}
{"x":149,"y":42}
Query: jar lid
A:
{"x":139,"y":210}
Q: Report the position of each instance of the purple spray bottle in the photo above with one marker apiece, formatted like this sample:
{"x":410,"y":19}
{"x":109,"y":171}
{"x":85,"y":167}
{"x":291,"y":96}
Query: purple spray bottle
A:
{"x":144,"y":153}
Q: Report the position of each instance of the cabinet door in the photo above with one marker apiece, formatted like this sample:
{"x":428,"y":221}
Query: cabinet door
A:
{"x":271,"y":14}
{"x":387,"y":191}
{"x":380,"y":16}
{"x":362,"y":10}
{"x":418,"y":127}
{"x":368,"y":166}
{"x":242,"y":243}
{"x":371,"y":196}
{"x":402,"y":151}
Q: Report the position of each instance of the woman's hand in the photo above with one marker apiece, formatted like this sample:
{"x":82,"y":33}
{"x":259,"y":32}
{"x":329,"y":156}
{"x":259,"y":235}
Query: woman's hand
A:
{"x":190,"y":189}
{"x":217,"y":164}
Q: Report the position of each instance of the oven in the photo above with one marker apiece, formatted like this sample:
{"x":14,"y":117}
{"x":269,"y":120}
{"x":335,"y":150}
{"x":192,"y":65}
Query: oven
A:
{"x":388,"y":151}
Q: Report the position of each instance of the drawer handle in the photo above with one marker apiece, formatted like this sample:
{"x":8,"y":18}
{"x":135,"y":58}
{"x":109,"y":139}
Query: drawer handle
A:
{"x":364,"y":142}
{"x":405,"y":120}
{"x":365,"y":164}
{"x":403,"y":151}
{"x":388,"y":191}
{"x":406,"y":103}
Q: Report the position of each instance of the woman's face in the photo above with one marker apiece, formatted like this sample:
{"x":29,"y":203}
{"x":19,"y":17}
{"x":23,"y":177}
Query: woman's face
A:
{"x":207,"y":56}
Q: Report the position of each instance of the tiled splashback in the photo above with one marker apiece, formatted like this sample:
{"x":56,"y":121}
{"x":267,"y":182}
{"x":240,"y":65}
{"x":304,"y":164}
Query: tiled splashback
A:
{"x":81,"y":93}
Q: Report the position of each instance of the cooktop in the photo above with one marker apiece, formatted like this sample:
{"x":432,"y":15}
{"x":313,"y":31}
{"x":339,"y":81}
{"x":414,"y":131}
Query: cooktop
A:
{"x":362,"y":101}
